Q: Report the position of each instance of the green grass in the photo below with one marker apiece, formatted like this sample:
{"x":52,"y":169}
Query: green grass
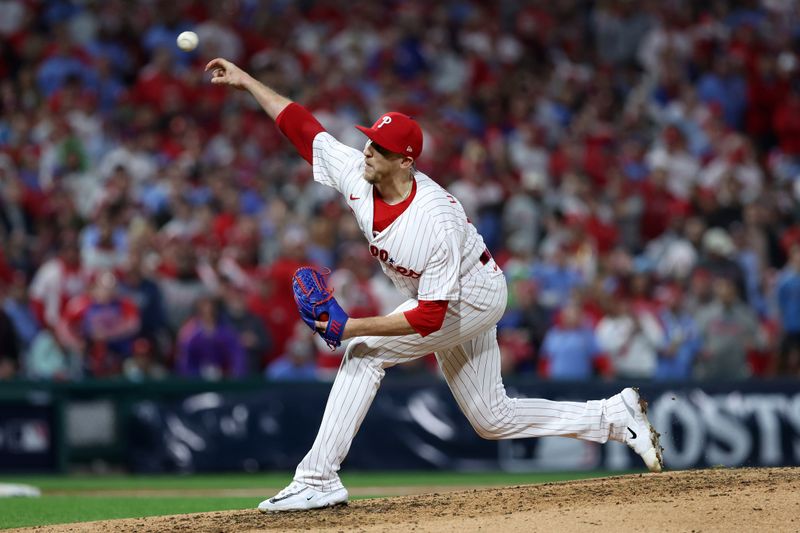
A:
{"x":70,"y":504}
{"x":21,"y":512}
{"x":274,"y":480}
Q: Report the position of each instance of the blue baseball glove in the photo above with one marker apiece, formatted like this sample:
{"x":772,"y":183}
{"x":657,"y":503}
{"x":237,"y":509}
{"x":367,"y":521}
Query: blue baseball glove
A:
{"x":315,"y":302}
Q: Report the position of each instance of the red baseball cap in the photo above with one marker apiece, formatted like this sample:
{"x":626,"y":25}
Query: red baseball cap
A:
{"x":396,"y":132}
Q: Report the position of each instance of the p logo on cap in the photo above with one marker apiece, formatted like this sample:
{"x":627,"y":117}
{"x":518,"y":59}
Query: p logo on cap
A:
{"x":396,"y":132}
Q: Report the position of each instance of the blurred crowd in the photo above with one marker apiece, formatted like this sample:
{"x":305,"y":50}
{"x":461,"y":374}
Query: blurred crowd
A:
{"x":634,"y":167}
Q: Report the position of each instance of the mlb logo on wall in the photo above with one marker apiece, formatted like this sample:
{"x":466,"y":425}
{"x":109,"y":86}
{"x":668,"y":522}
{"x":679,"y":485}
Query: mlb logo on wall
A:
{"x":24,"y":436}
{"x":28,"y":438}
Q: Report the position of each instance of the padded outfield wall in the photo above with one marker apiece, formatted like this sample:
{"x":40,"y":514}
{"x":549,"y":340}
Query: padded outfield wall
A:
{"x":413,"y":425}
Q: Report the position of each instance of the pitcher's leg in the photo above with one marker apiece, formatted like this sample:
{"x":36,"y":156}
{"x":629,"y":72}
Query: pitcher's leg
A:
{"x":351,"y":395}
{"x":360,"y":375}
{"x":472,"y":371}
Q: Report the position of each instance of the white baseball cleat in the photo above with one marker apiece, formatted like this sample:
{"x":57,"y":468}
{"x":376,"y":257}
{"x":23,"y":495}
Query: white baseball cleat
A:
{"x":640,"y":435}
{"x":300,"y":497}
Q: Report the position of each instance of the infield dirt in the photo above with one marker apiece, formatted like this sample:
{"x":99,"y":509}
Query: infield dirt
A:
{"x":700,"y":500}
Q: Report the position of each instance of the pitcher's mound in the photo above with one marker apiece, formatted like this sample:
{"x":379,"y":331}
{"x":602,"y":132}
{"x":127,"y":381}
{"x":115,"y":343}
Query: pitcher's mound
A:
{"x":764,"y":499}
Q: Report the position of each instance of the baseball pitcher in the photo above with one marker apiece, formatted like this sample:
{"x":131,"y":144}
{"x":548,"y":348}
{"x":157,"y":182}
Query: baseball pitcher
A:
{"x":456,"y":293}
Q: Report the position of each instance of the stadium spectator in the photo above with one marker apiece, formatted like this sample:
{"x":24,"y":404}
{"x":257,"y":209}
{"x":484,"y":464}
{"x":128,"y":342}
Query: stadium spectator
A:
{"x":517,"y":355}
{"x":762,"y":234}
{"x":14,"y":217}
{"x":143,"y":364}
{"x":168,"y":21}
{"x":681,"y":167}
{"x":18,"y":308}
{"x":734,"y":174}
{"x":767,"y":84}
{"x":57,"y":281}
{"x":353,"y":282}
{"x":619,"y":31}
{"x":160,"y":85}
{"x":320,"y":234}
{"x":570,"y":350}
{"x":700,"y":294}
{"x":66,"y":61}
{"x":137,"y":285}
{"x":728,"y":329}
{"x":718,"y":258}
{"x":522,"y":215}
{"x":672,"y":254}
{"x":9,"y":348}
{"x":724,"y":86}
{"x":100,"y":326}
{"x":297,"y":364}
{"x":556,"y":278}
{"x":787,"y":293}
{"x":631,"y":338}
{"x":207,"y":347}
{"x":525,"y":313}
{"x":786,"y":125}
{"x":748,"y":259}
{"x":103,"y":246}
{"x":277,"y":306}
{"x":661,"y":207}
{"x":681,"y":337}
{"x":183,"y":224}
{"x":218,"y":34}
{"x":48,"y":359}
{"x":179,"y":282}
{"x":250,"y":329}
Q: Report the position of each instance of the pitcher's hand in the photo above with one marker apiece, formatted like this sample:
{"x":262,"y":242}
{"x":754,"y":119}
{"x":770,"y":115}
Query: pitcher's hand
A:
{"x":225,"y":72}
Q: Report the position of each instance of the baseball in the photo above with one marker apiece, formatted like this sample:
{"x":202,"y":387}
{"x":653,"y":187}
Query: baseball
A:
{"x":187,"y":41}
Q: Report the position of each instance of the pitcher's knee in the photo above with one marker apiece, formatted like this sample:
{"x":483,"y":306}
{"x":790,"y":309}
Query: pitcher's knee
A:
{"x":361,"y":354}
{"x":489,"y":429}
{"x":485,"y":432}
{"x":494,"y":424}
{"x":357,"y":348}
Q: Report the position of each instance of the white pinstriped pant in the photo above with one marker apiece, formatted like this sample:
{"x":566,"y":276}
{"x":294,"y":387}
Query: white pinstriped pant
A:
{"x":467,"y":351}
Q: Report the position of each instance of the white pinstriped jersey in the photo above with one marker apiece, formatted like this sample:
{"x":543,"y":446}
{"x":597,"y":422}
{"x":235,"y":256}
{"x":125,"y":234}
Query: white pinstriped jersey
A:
{"x":432,"y":252}
{"x":429,"y":249}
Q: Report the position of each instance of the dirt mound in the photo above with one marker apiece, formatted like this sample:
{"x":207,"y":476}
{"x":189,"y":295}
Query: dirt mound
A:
{"x":700,"y":500}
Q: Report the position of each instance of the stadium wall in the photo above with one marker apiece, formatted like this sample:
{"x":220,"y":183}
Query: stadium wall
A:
{"x":186,"y":426}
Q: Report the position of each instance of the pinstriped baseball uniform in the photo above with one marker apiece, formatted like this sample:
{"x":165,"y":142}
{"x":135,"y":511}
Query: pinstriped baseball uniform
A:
{"x":432,"y":252}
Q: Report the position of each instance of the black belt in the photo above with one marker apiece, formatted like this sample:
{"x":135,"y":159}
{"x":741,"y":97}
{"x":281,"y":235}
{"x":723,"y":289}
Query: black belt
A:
{"x":486,"y":256}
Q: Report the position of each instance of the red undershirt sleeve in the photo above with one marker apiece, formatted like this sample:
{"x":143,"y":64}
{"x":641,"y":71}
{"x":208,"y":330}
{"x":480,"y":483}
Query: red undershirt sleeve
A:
{"x":427,"y":317}
{"x":300,"y":127}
